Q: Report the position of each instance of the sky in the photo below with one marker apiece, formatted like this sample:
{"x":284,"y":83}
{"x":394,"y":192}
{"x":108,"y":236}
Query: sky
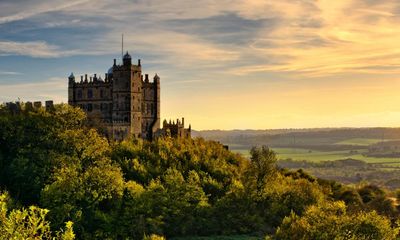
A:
{"x":224,"y":64}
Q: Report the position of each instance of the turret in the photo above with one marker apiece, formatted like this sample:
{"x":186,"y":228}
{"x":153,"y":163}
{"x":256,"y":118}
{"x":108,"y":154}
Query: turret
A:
{"x":71,"y":79}
{"x":127,"y":60}
{"x":156,"y":78}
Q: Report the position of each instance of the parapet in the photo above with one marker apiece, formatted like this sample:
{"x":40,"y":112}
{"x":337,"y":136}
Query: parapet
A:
{"x":91,"y":80}
{"x":17,"y":107}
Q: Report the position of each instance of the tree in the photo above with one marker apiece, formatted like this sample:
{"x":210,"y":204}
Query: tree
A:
{"x":29,"y":224}
{"x":262,"y":168}
{"x":85,"y":196}
{"x":331,"y":221}
{"x":30,"y":146}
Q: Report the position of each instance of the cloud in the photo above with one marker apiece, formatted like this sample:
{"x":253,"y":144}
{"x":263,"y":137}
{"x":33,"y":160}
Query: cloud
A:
{"x":9,"y":73}
{"x":311,"y":38}
{"x":33,"y":49}
{"x":27,"y":10}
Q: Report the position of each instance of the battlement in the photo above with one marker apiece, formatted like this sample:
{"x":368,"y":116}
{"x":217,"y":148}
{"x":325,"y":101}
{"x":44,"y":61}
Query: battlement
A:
{"x":91,"y":80}
{"x":18,"y":107}
{"x":176,"y":129}
{"x":146,"y":80}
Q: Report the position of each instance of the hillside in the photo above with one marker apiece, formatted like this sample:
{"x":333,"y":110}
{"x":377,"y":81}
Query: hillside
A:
{"x":61,"y":179}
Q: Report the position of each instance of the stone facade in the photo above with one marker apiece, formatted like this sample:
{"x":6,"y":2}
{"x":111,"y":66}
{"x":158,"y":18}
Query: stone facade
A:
{"x":125,"y":102}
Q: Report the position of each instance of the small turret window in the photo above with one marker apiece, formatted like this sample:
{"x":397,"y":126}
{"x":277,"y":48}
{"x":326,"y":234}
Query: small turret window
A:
{"x":79,"y":94}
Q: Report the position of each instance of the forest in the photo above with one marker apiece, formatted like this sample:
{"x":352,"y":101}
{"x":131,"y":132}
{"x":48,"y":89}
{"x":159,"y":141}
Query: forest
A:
{"x":61,"y":179}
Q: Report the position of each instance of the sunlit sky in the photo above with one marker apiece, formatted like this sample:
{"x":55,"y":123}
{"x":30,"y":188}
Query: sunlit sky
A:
{"x":224,"y":64}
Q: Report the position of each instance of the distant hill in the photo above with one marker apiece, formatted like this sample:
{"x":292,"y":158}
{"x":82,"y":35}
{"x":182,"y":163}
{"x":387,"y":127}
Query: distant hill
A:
{"x":335,"y":138}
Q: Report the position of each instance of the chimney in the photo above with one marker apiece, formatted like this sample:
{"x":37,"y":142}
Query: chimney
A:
{"x":183,"y":121}
{"x":142,"y":77}
{"x":81,"y":78}
{"x":146,"y":78}
{"x":86,"y":78}
{"x":115,"y":62}
{"x":106,"y":78}
{"x":139,"y":63}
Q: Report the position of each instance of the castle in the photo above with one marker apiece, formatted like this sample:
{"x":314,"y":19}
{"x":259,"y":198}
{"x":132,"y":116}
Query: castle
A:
{"x":124,"y":102}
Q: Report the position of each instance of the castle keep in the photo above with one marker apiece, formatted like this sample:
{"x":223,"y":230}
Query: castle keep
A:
{"x":125,"y":102}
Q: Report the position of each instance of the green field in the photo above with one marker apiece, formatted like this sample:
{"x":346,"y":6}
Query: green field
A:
{"x":359,"y":141}
{"x":318,"y":156}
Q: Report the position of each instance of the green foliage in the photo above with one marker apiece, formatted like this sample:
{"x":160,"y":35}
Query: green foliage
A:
{"x":30,"y":147}
{"x":153,"y":237}
{"x":29,"y":224}
{"x":85,"y":196}
{"x":262,"y":168}
{"x":331,"y":221}
{"x":168,"y":187}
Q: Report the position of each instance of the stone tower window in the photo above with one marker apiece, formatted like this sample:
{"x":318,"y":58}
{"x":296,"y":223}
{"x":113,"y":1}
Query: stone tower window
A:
{"x":101,"y":93}
{"x":90,"y":107}
{"x":79,"y":94}
{"x":90,"y":93}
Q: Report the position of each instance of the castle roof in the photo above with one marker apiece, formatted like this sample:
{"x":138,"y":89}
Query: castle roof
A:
{"x":127,"y":56}
{"x":110,"y":70}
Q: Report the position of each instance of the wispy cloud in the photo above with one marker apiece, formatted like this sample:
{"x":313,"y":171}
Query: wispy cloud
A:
{"x":9,"y":73}
{"x":27,"y":10}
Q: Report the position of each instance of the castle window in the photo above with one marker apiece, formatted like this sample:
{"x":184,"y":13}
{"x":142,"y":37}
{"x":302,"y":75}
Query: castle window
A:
{"x":101,"y":93}
{"x":90,"y":93}
{"x":152,"y":109}
{"x":79,"y":94}
{"x":90,"y":107}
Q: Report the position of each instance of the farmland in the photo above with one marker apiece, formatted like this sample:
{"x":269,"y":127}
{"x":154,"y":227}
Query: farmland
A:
{"x":350,"y":156}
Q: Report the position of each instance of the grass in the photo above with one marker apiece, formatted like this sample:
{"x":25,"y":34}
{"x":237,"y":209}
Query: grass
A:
{"x":359,"y":141}
{"x":318,"y":156}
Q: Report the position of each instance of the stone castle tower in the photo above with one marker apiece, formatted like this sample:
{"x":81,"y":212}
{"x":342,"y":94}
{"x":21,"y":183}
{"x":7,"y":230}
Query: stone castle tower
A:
{"x":124,"y":102}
